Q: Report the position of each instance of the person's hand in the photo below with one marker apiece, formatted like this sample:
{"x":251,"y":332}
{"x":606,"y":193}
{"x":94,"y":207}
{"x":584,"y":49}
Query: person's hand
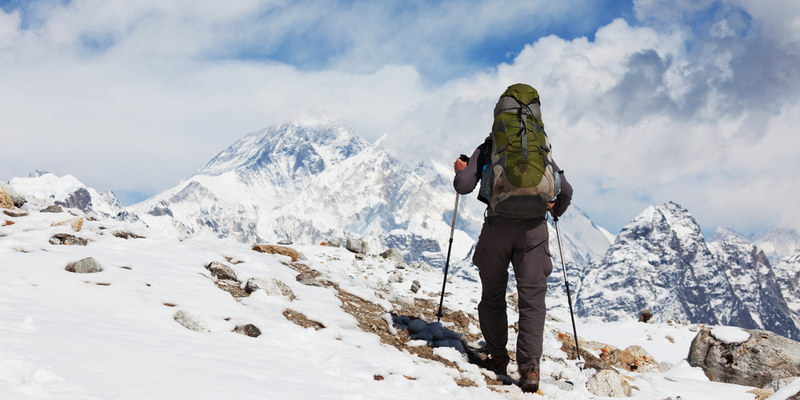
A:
{"x":550,"y":205}
{"x":458,"y":165}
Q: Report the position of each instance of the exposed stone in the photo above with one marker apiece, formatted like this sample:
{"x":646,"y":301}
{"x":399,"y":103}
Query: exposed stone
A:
{"x":334,"y":243}
{"x":609,"y":384}
{"x":68,"y":240}
{"x":761,"y":394}
{"x":16,"y":213}
{"x":271,"y":286}
{"x":8,"y":222}
{"x":415,"y":286}
{"x":80,"y":199}
{"x":762,"y":359}
{"x":360,"y":256}
{"x":645,"y":315}
{"x":778,"y":384}
{"x":126,"y":235}
{"x":633,"y":359}
{"x":52,"y":209}
{"x":5,"y":200}
{"x":190,"y":321}
{"x":300,"y":319}
{"x":75,"y":223}
{"x":284,"y":242}
{"x":221,"y":271}
{"x":393,"y":254}
{"x":356,"y":245}
{"x":16,"y":199}
{"x":282,"y":250}
{"x":87,"y":265}
{"x":248,"y":330}
{"x":308,"y":279}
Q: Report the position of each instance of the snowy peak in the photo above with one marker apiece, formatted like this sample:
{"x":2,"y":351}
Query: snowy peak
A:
{"x":297,"y":150}
{"x":66,"y":191}
{"x":778,"y":243}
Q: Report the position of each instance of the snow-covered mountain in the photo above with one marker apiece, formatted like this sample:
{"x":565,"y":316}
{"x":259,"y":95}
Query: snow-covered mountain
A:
{"x":321,"y":181}
{"x":661,"y":261}
{"x":755,"y":283}
{"x":787,"y":272}
{"x":777,"y":243}
{"x":66,"y":191}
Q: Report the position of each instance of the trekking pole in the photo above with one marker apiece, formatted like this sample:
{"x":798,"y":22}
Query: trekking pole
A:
{"x":447,"y":262}
{"x":569,"y":297}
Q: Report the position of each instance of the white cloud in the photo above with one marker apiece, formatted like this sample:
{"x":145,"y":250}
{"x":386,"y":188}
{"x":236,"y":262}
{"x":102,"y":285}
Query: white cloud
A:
{"x":135,"y":96}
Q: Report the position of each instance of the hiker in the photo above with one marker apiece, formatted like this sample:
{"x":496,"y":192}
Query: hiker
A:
{"x":520,"y":185}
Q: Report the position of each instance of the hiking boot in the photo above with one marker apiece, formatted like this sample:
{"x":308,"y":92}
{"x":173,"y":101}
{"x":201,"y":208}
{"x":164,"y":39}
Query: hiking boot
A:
{"x":529,"y":380}
{"x":497,"y":363}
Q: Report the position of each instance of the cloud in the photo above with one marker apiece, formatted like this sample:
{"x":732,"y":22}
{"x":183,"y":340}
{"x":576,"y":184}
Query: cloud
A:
{"x":693,"y":102}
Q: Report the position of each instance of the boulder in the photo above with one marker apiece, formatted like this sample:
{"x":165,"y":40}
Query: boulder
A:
{"x":16,"y":213}
{"x":221,"y":271}
{"x":761,"y":358}
{"x":76,"y":224}
{"x":52,"y":209}
{"x":282,"y":250}
{"x":248,"y":330}
{"x":393,"y":254}
{"x":5,"y":200}
{"x":356,"y":245}
{"x":608,"y":383}
{"x":271,"y":286}
{"x":16,"y":199}
{"x":415,"y":286}
{"x":68,"y":240}
{"x":360,"y":256}
{"x":87,"y":265}
{"x":284,"y":242}
{"x":645,"y":315}
{"x":190,"y":321}
{"x":633,"y":359}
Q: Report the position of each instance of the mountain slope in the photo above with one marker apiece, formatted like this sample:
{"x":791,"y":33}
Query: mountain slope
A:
{"x":749,"y":272}
{"x":316,"y":182}
{"x":66,"y":191}
{"x":660,"y":261}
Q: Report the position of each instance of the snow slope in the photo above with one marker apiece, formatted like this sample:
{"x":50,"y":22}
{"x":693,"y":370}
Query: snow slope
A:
{"x":111,"y":334}
{"x":67,"y":191}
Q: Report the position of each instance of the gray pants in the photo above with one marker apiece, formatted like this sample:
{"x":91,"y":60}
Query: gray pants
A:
{"x":523,"y":243}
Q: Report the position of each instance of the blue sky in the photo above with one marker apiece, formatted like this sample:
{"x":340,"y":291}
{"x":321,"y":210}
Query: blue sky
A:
{"x":651,"y":101}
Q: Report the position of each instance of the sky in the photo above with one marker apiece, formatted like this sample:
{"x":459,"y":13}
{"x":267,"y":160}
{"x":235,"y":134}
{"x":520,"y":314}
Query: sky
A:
{"x":645,"y":101}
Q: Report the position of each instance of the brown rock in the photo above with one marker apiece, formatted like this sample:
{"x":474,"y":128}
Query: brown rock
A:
{"x":68,"y":240}
{"x":221,"y":271}
{"x":7,"y":223}
{"x":75,"y":223}
{"x":5,"y":200}
{"x":16,"y":213}
{"x":282,"y":250}
{"x":761,"y":394}
{"x":645,"y":315}
{"x":633,"y":359}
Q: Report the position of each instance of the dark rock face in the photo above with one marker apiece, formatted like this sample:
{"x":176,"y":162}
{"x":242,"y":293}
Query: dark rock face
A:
{"x":762,"y":359}
{"x":160,"y":209}
{"x":126,"y":235}
{"x":356,"y":245}
{"x":68,"y":240}
{"x":80,"y":199}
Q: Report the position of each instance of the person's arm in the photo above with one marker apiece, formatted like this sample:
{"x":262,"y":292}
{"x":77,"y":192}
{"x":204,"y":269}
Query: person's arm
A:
{"x":467,"y":176}
{"x":564,"y":198}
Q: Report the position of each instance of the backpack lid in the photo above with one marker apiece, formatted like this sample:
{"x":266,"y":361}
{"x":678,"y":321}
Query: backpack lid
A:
{"x":516,"y":95}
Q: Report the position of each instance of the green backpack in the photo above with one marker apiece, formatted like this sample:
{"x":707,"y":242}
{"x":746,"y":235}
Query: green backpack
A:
{"x":519,"y":179}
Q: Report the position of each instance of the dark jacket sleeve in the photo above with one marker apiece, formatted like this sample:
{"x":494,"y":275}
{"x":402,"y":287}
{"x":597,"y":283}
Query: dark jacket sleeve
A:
{"x":466,"y":179}
{"x":564,"y":198}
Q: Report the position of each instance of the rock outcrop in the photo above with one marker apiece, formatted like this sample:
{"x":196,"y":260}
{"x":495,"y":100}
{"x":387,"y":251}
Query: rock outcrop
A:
{"x":190,"y":321}
{"x":282,"y":250}
{"x":759,"y":360}
{"x":272,"y":287}
{"x":68,"y":240}
{"x":608,"y":383}
{"x":221,"y":271}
